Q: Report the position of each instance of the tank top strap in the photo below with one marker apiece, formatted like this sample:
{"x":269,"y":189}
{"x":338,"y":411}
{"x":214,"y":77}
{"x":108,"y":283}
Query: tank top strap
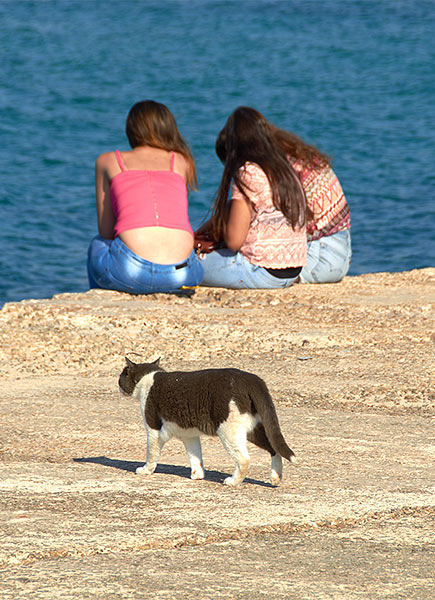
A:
{"x":172,"y":160}
{"x":119,"y":159}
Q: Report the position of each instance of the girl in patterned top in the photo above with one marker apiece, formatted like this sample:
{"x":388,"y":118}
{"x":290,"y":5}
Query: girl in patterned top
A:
{"x":328,"y":227}
{"x":262,"y":222}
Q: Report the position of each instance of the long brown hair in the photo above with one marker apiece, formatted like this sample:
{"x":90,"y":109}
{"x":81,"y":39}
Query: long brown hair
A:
{"x":296,"y":148}
{"x":151,"y":123}
{"x":248,"y":137}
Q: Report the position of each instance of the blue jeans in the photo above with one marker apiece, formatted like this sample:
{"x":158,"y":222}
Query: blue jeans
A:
{"x":228,"y":269}
{"x":113,"y":266}
{"x":328,"y":259}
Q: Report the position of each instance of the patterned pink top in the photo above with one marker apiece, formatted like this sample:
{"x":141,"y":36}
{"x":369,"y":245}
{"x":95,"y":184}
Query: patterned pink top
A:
{"x":271,"y":242}
{"x":326,"y":199}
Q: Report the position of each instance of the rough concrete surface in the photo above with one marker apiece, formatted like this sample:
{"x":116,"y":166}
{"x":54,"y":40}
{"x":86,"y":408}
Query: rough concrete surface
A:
{"x":351,"y":369}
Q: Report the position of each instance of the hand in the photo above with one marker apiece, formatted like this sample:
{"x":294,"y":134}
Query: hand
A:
{"x":204,"y":242}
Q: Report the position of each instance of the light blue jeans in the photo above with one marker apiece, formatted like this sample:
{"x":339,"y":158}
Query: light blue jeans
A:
{"x":228,"y":269}
{"x":328,"y":259}
{"x":113,"y":266}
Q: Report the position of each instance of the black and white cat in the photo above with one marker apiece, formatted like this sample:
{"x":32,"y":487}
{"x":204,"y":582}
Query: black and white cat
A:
{"x":232,"y":404}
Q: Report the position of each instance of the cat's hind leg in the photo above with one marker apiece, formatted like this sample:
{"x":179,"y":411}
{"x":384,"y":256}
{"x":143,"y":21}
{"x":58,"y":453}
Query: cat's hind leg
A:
{"x":155,"y":442}
{"x":258,"y":437}
{"x":194,"y":452}
{"x":233,"y":439}
{"x":276,"y":470}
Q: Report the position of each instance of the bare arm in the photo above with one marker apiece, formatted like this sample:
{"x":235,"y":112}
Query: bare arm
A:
{"x":106,"y":218}
{"x":237,"y":223}
{"x":237,"y":218}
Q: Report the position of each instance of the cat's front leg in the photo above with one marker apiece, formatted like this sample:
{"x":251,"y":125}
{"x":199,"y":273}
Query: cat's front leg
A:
{"x":194,"y":452}
{"x":154,"y":446}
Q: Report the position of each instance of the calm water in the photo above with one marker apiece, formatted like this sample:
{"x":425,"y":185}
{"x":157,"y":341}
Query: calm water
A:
{"x":354,"y":77}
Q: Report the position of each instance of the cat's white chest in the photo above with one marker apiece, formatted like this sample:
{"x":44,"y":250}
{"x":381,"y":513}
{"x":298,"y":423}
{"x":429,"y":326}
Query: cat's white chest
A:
{"x":143,"y":388}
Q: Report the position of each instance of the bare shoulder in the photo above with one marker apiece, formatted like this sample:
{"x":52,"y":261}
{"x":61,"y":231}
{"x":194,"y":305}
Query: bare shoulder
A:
{"x":105,"y":160}
{"x":107,"y":165}
{"x":180,"y":164}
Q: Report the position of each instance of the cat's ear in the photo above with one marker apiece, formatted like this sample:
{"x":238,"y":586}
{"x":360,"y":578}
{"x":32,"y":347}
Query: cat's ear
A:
{"x":129,"y":362}
{"x":157,"y":362}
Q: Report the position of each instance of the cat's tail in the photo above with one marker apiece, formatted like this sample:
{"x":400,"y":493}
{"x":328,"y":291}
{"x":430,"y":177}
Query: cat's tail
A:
{"x":264,"y":406}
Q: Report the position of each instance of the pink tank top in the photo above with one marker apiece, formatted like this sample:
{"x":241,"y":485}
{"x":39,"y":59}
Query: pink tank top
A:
{"x":143,"y":198}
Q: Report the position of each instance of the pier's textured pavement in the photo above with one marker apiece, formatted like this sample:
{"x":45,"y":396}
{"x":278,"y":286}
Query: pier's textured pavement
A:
{"x":351,"y":369}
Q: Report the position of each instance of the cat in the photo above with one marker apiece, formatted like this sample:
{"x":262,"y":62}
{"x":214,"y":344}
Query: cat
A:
{"x":232,"y":404}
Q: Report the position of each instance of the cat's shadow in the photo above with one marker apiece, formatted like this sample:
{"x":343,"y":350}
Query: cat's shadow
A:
{"x":179,"y":471}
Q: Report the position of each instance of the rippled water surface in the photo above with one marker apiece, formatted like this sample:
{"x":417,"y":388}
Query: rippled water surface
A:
{"x":354,"y":77}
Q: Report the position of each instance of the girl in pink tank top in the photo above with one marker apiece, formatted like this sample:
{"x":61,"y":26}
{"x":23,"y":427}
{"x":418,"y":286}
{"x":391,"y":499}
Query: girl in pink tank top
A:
{"x":145,"y":241}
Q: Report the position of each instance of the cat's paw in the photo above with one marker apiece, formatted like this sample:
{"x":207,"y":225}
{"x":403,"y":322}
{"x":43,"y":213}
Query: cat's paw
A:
{"x":144,"y":471}
{"x":276,"y":478}
{"x":197,"y":474}
{"x":229,"y":481}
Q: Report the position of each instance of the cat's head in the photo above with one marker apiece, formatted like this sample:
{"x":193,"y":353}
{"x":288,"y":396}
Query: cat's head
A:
{"x":133,"y":373}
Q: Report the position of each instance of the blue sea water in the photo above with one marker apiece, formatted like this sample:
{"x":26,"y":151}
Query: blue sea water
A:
{"x":354,"y":77}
